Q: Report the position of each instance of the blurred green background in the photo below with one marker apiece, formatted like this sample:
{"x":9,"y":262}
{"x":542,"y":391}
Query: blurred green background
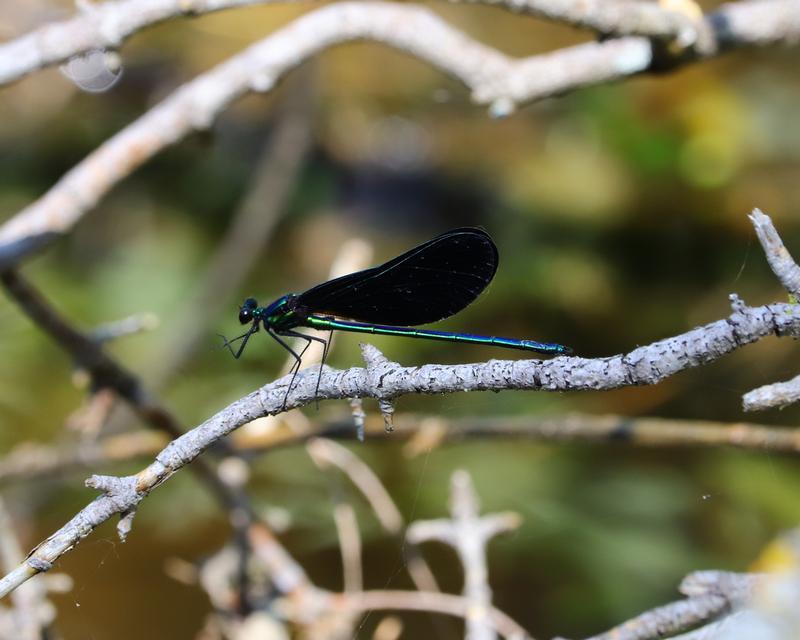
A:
{"x":620,"y":216}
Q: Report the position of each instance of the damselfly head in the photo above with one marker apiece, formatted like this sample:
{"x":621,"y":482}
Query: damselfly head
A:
{"x":247,"y":311}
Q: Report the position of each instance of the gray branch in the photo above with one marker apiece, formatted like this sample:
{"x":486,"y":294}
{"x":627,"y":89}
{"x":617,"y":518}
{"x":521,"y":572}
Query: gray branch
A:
{"x":29,"y":461}
{"x":779,"y":394}
{"x":32,"y":612}
{"x":469,"y":534}
{"x":491,"y":75}
{"x":108,"y":25}
{"x":385,"y":380}
{"x":778,"y":256}
{"x":710,"y":595}
{"x":494,"y":79}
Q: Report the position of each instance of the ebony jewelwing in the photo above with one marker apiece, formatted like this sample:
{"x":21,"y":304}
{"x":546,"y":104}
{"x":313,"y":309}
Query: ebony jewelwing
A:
{"x":431,"y":282}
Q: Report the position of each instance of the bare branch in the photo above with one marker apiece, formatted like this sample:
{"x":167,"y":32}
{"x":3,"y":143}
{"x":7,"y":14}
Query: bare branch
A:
{"x":422,"y":601}
{"x":326,"y":452}
{"x":710,"y":595}
{"x":778,"y":394}
{"x":668,"y":620}
{"x":385,"y":380}
{"x":611,"y":17}
{"x":344,"y":517}
{"x":733,"y":625}
{"x":87,"y":353}
{"x":493,"y":78}
{"x":468,"y":533}
{"x":108,"y":25}
{"x":32,"y":612}
{"x":350,"y":544}
{"x":759,"y":23}
{"x":608,"y":429}
{"x":737,"y":588}
{"x":101,"y":26}
{"x":359,"y":417}
{"x":491,"y":75}
{"x":121,"y":495}
{"x":778,"y":256}
{"x":107,"y":373}
{"x":785,"y":268}
{"x":90,"y":418}
{"x":645,"y":365}
{"x":31,"y":461}
{"x":286,"y":574}
{"x":125,"y":327}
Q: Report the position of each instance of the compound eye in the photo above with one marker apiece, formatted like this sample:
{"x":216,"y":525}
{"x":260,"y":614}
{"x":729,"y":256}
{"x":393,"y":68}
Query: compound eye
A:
{"x":250,"y":303}
{"x":245,"y":316}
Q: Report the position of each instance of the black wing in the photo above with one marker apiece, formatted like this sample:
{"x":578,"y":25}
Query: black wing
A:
{"x":427,"y":283}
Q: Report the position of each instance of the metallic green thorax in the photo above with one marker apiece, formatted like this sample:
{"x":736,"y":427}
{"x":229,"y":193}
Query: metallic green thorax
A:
{"x":281,"y":315}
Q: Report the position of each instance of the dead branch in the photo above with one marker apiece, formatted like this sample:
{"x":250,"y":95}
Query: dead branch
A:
{"x":107,"y":26}
{"x":494,"y":79}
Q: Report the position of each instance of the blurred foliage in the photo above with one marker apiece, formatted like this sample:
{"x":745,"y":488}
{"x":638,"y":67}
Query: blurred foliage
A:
{"x":620,"y":214}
